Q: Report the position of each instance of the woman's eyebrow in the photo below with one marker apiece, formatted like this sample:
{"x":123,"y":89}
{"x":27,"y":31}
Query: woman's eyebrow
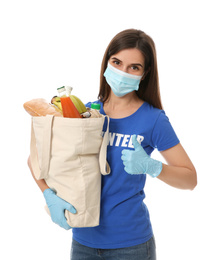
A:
{"x":133,"y":64}
{"x":114,"y":58}
{"x":137,"y":64}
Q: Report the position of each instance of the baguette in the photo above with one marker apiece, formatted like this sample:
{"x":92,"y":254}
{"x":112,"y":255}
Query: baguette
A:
{"x":40,"y":107}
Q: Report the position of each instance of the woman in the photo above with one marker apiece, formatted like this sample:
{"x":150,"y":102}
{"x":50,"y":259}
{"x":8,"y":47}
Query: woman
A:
{"x":129,"y":94}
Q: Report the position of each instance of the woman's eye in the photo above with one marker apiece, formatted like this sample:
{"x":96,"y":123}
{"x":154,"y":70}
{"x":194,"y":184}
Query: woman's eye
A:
{"x":116,"y":62}
{"x":135,"y":68}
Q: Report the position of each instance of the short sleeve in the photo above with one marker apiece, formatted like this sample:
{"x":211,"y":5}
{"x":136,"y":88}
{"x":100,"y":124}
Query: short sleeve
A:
{"x":163,"y":134}
{"x":90,"y":103}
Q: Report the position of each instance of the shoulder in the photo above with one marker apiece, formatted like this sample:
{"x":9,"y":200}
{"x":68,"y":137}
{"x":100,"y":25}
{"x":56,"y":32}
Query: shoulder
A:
{"x":152,"y":113}
{"x":163,"y":135}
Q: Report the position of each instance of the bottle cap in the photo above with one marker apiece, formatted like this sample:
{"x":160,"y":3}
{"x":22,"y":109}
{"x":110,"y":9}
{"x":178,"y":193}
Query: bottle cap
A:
{"x":60,"y":90}
{"x":68,"y":90}
{"x":95,"y":106}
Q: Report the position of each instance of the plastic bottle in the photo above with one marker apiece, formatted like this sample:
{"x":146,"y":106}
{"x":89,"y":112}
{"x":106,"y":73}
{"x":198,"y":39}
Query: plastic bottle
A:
{"x":69,"y":109}
{"x":95,"y":110}
{"x":95,"y":106}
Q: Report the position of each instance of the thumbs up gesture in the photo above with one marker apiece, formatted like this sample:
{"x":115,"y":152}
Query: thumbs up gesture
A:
{"x":137,"y":161}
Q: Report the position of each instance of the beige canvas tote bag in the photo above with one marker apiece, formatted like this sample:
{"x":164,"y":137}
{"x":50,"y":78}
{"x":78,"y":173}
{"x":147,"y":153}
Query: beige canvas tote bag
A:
{"x":70,"y":155}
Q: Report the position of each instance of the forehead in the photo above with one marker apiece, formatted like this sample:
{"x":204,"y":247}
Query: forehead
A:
{"x":130,"y":56}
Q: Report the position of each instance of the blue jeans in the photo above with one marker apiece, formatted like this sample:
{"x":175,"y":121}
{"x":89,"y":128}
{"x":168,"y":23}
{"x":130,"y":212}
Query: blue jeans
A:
{"x":145,"y":251}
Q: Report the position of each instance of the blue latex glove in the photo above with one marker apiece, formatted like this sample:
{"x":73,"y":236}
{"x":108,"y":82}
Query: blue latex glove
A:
{"x":137,"y":161}
{"x":57,"y":207}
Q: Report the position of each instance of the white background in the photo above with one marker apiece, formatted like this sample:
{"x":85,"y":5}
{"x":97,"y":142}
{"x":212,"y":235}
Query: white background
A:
{"x":48,"y":43}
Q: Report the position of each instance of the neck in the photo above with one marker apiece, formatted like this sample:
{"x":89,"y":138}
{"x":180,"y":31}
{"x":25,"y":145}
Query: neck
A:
{"x":120,"y":107}
{"x":114,"y":101}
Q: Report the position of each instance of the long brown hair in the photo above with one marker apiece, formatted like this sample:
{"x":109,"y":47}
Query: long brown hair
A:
{"x":149,"y":87}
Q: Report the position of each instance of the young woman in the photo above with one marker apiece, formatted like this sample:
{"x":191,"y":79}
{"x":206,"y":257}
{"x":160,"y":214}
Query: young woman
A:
{"x":129,"y":94}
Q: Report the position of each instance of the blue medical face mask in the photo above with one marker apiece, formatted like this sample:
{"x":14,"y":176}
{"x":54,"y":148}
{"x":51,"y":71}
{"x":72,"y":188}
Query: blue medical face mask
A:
{"x":121,"y":82}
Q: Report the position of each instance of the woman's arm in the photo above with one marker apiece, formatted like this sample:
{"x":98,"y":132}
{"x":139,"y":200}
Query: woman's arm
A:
{"x":179,"y":171}
{"x":41,"y":183}
{"x":56,"y":205}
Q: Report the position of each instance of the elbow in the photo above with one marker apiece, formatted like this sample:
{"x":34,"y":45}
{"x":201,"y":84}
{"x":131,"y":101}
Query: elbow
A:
{"x":193,"y":180}
{"x":29,"y":162}
{"x":193,"y":186}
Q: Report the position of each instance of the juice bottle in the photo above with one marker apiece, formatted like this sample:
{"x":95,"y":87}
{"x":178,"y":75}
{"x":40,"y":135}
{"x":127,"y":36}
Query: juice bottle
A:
{"x":69,"y":109}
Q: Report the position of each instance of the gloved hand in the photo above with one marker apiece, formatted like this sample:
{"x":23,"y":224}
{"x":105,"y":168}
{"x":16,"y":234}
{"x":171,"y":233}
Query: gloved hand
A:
{"x":57,"y":207}
{"x":137,"y":161}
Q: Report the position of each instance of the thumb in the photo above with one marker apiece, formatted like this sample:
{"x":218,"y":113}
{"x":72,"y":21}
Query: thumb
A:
{"x":70,"y":208}
{"x":135,"y":142}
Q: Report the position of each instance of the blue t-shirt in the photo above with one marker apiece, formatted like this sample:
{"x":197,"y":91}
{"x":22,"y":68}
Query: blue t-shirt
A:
{"x":124,"y":217}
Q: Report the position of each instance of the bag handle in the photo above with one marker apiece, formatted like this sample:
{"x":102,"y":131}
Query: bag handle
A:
{"x":104,"y":166}
{"x":45,"y":160}
{"x":34,"y":155}
{"x":46,"y":149}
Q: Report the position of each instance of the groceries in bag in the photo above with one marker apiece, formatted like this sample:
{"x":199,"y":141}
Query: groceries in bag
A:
{"x":56,"y":102}
{"x":68,"y":107}
{"x":93,"y":112}
{"x":40,"y":107}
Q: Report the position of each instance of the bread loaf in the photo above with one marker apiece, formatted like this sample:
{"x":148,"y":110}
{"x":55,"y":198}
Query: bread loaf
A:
{"x":40,"y":107}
